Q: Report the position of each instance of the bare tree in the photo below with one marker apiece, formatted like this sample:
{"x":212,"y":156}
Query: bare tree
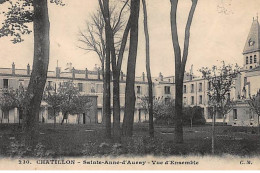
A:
{"x":116,"y":60}
{"x":131,"y":64}
{"x":93,"y":38}
{"x":180,"y":63}
{"x":148,"y":71}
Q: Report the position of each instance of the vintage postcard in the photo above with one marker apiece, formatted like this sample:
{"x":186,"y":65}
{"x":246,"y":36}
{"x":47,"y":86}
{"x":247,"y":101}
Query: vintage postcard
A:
{"x":129,"y":85}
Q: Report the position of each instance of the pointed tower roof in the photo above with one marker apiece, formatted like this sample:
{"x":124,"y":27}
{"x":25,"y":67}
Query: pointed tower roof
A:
{"x":253,"y":39}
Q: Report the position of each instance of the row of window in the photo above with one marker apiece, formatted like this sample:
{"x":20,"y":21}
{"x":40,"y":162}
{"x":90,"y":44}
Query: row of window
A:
{"x":251,"y":60}
{"x":192,"y":88}
{"x":192,"y":100}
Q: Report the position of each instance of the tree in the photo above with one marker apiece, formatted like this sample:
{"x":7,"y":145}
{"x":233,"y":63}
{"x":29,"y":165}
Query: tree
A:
{"x":93,"y":39}
{"x":221,"y":81}
{"x":131,"y":64}
{"x":12,"y":98}
{"x":19,"y":15}
{"x":180,"y":63}
{"x":69,"y":94}
{"x":116,"y":60}
{"x":148,"y":71}
{"x":193,"y":115}
{"x":254,"y":103}
{"x":54,"y":100}
{"x":7,"y":102}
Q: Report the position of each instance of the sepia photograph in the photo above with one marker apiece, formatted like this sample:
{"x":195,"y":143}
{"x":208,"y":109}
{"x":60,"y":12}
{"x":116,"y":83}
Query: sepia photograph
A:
{"x":129,"y":85}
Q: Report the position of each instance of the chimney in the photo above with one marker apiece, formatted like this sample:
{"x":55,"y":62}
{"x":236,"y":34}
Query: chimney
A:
{"x":160,"y":76}
{"x":98,"y":73}
{"x":28,"y":69}
{"x":143,"y":77}
{"x":86,"y":73}
{"x":13,"y":69}
{"x":73,"y":73}
{"x":57,"y":71}
{"x":122,"y":76}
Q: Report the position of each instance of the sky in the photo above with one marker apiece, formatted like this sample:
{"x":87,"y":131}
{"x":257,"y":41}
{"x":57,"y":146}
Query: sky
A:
{"x":219,"y":31}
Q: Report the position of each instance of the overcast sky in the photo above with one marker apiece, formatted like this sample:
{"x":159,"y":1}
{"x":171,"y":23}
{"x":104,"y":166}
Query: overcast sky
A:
{"x":215,"y":35}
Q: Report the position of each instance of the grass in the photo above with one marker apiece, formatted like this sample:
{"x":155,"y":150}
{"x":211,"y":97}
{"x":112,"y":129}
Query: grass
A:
{"x":89,"y":140}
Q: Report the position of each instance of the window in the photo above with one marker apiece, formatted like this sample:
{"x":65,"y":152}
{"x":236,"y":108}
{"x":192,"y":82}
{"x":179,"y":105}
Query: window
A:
{"x":251,"y":60}
{"x":185,"y":100}
{"x":200,"y":87}
{"x":6,"y":114}
{"x":192,"y":88}
{"x":254,"y":58}
{"x":228,"y":96}
{"x":251,"y":67}
{"x":92,"y":90}
{"x":138,"y":89}
{"x":200,"y":99}
{"x":184,"y":89}
{"x":50,"y":113}
{"x":192,"y":100}
{"x":5,"y":83}
{"x":209,"y":85}
{"x":80,"y":86}
{"x":210,"y":112}
{"x":247,"y":60}
{"x":49,"y":83}
{"x":234,"y":114}
{"x":167,"y":90}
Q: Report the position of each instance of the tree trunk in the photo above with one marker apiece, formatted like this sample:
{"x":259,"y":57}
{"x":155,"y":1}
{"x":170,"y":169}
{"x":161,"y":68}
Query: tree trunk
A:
{"x":107,"y":101}
{"x":104,"y":91}
{"x":258,"y":125}
{"x":54,"y":117}
{"x":116,"y":107}
{"x":213,"y":131}
{"x":38,"y":77}
{"x":180,"y":63}
{"x":84,"y":118}
{"x":130,"y":78}
{"x":148,"y":71}
{"x":64,"y":116}
{"x":178,"y":110}
{"x":2,"y":116}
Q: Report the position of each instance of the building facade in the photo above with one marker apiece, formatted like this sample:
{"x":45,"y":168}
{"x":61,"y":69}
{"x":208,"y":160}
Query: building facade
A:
{"x":90,"y":84}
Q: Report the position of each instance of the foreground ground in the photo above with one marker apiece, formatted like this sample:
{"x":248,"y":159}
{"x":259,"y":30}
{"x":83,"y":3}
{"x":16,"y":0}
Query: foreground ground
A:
{"x":89,"y":140}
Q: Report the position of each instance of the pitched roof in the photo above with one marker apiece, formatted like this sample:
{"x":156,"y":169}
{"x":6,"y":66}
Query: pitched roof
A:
{"x":253,"y":40}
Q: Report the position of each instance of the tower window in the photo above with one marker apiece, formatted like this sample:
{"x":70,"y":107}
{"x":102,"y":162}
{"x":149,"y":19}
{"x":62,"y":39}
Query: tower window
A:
{"x":255,"y":59}
{"x":247,"y":60}
{"x":251,"y":59}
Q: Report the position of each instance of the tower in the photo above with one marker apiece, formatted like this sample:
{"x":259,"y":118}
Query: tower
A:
{"x":251,"y":50}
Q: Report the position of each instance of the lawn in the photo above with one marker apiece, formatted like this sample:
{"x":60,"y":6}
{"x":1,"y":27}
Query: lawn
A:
{"x":89,"y":140}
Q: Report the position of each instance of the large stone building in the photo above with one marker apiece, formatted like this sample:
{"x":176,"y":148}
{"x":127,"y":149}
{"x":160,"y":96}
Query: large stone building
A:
{"x":195,"y":89}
